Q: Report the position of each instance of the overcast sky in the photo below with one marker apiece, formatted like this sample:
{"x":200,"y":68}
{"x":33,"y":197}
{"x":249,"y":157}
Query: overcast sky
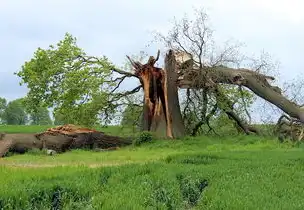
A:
{"x":116,"y":28}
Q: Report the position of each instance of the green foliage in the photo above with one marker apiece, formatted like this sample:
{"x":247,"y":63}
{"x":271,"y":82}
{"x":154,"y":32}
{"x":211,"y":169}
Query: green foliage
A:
{"x":191,"y":188}
{"x":15,"y":113}
{"x":65,"y":78}
{"x":41,"y":117}
{"x":3,"y":104}
{"x":193,"y":109}
{"x":143,"y":137}
{"x":59,"y":119}
{"x":131,"y":116}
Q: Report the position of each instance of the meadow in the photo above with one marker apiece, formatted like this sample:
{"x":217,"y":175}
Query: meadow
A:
{"x":208,"y":172}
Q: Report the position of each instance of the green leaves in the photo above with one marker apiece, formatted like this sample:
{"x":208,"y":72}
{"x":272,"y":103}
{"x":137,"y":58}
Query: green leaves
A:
{"x":15,"y":113}
{"x":65,"y":78}
{"x":3,"y":104}
{"x":131,"y":116}
{"x":41,"y":117}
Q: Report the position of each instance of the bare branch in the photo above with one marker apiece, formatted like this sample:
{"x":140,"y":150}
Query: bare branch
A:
{"x":244,"y":103}
{"x":157,"y":56}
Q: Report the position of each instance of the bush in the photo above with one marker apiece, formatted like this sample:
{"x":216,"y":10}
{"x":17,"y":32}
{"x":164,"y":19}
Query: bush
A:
{"x":143,"y":137}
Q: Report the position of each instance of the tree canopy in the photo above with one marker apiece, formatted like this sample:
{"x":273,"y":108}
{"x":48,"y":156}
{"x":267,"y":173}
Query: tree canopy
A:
{"x":65,"y":78}
{"x":15,"y":113}
{"x":40,"y":117}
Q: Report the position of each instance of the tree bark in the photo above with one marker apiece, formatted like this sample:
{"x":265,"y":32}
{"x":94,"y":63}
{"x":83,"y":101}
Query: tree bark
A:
{"x":255,"y":81}
{"x":175,"y":121}
{"x":161,"y":110}
{"x":60,"y":139}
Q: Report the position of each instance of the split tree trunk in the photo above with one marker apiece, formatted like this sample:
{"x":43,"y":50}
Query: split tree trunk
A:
{"x":161,"y":110}
{"x":168,"y":117}
{"x":176,"y":123}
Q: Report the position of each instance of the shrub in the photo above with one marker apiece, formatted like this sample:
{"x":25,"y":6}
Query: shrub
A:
{"x":143,"y":137}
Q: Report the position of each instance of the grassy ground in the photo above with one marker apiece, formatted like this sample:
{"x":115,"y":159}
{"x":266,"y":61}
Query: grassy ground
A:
{"x":193,"y":173}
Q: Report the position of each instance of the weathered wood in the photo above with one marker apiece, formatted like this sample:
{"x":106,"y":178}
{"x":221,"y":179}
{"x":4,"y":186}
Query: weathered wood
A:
{"x":176,"y":126}
{"x":61,"y":139}
{"x":5,"y":146}
{"x":255,"y":81}
{"x":288,"y":127}
{"x":19,"y":143}
{"x":161,"y":110}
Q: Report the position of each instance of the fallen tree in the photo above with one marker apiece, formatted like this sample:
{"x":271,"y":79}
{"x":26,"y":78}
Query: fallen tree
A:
{"x":61,"y":139}
{"x":254,"y":81}
{"x":161,"y":102}
{"x":82,"y":89}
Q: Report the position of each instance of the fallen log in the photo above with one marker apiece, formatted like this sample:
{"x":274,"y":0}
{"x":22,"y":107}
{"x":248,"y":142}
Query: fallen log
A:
{"x":61,"y":139}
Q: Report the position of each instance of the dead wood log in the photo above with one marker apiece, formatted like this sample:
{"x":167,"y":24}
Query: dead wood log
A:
{"x":18,"y":143}
{"x":288,"y":127}
{"x":61,"y":139}
{"x":73,"y":137}
{"x":5,"y":146}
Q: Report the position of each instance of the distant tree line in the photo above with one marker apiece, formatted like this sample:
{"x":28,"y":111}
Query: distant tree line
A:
{"x":15,"y":113}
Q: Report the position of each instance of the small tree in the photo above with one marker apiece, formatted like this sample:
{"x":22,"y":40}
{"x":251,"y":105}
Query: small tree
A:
{"x":15,"y":113}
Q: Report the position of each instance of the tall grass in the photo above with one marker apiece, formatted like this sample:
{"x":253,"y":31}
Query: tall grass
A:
{"x":223,"y":180}
{"x":235,"y":172}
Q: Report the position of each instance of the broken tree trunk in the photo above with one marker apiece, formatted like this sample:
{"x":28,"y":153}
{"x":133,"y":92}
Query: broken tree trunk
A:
{"x":161,"y":111}
{"x":175,"y":120}
{"x":60,"y":139}
{"x":291,"y":128}
{"x":255,"y":81}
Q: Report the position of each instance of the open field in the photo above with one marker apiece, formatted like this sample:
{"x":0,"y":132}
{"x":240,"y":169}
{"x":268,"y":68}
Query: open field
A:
{"x":236,"y":172}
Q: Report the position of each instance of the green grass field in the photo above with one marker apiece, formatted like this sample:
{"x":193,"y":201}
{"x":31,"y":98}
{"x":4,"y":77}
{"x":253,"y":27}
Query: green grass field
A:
{"x":241,"y":173}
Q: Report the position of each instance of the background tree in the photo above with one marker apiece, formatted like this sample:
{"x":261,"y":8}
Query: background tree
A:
{"x":59,"y":119}
{"x":15,"y":113}
{"x":3,"y":104}
{"x":41,"y":117}
{"x":80,"y":88}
